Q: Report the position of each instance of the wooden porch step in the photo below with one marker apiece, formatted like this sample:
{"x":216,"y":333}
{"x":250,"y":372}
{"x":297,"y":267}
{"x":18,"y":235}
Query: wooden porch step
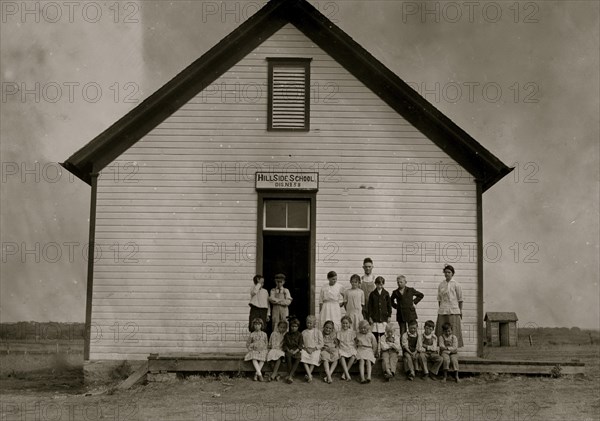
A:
{"x":202,"y":362}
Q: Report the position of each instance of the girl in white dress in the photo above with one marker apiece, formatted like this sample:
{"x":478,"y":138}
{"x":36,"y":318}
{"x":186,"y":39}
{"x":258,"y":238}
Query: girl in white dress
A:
{"x":366,"y":347}
{"x":312,"y":340}
{"x":257,"y":348}
{"x":330,"y":353}
{"x":354,"y":301}
{"x":347,"y":346}
{"x":275,"y":352}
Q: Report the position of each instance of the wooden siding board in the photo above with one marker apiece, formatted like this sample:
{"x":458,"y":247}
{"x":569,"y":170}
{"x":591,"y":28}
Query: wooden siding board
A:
{"x":194,"y":186}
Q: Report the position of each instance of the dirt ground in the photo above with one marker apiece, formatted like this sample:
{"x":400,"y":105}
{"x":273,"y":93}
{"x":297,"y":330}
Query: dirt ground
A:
{"x":59,"y":394}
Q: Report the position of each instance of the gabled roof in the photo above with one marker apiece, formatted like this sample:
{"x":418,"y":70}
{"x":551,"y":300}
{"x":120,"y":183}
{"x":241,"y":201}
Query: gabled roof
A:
{"x":461,"y":147}
{"x":498,"y":316}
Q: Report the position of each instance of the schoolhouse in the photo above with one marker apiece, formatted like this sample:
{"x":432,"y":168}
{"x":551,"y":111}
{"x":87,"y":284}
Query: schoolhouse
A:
{"x":288,"y":148}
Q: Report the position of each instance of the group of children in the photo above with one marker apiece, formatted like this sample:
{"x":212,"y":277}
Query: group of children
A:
{"x":360,"y":335}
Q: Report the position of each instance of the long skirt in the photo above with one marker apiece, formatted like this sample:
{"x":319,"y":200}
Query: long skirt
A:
{"x":455,"y":321}
{"x":331,"y":311}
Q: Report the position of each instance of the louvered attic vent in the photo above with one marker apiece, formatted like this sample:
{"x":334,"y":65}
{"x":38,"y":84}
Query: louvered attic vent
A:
{"x":289,"y":94}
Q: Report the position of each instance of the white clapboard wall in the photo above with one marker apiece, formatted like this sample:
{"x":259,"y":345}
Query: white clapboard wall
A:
{"x":176,"y":213}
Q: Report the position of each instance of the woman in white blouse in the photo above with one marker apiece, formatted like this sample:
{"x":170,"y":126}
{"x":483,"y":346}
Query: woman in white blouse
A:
{"x":450,"y":300}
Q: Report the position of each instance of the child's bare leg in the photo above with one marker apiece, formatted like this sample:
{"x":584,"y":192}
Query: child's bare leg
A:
{"x":361,"y":369}
{"x":332,"y":369}
{"x":368,"y":370}
{"x":327,"y":372}
{"x":261,"y":364}
{"x":288,"y":360}
{"x":309,"y":370}
{"x":257,"y":366}
{"x":306,"y":368}
{"x":351,"y":362}
{"x":293,"y":365}
{"x":275,"y":369}
{"x":345,"y":368}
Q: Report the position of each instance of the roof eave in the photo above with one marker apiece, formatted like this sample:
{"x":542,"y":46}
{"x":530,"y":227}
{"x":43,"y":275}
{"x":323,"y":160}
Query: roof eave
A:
{"x":490,"y":181}
{"x":83,"y":175}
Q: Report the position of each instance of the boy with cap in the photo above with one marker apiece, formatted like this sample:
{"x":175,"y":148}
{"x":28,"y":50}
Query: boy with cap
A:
{"x":280,"y":300}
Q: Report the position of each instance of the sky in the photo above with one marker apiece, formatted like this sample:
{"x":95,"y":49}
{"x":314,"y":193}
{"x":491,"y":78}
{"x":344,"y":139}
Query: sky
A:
{"x":522,"y":78}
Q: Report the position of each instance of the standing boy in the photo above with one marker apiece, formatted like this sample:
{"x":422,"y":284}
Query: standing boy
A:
{"x":280,"y":299}
{"x":404,"y":300}
{"x":379,"y":308}
{"x":259,"y":302}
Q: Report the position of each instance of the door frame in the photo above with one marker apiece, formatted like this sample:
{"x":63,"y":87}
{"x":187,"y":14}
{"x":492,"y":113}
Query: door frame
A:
{"x":282,"y":195}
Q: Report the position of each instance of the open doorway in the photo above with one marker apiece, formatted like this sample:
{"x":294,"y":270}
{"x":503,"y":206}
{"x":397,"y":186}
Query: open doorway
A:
{"x":286,"y":245}
{"x":503,"y":332}
{"x":289,"y":254}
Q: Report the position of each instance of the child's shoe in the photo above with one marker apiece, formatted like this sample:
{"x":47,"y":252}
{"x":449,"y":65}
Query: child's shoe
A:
{"x":456,"y":377}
